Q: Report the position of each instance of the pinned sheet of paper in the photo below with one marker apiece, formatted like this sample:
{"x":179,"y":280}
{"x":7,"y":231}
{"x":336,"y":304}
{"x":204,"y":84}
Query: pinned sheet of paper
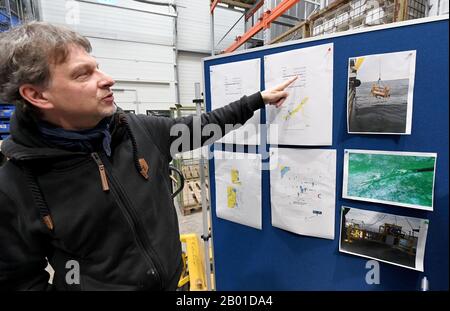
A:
{"x":238,"y":187}
{"x":305,"y":118}
{"x":231,"y":81}
{"x":302,"y":187}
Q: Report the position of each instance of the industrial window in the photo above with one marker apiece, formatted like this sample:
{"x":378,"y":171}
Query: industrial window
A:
{"x":416,"y":9}
{"x":159,"y":113}
{"x":14,"y":7}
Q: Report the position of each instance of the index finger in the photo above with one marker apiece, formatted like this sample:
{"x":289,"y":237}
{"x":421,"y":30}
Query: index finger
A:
{"x":285,"y":84}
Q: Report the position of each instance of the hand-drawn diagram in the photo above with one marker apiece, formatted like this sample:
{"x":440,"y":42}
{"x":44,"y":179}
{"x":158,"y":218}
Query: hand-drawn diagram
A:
{"x":291,"y":114}
{"x":305,"y":118}
{"x":303,"y":191}
{"x":238,"y":187}
{"x":233,"y":189}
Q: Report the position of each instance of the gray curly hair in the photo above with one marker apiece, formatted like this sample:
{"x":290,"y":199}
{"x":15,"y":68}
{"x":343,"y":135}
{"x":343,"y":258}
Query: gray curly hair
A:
{"x":26,"y":54}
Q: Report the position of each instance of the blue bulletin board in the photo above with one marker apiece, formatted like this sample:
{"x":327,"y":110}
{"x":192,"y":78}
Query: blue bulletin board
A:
{"x":274,"y":259}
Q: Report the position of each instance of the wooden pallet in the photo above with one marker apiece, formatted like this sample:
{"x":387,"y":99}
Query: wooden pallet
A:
{"x":190,"y":210}
{"x":192,"y":172}
{"x":192,"y":198}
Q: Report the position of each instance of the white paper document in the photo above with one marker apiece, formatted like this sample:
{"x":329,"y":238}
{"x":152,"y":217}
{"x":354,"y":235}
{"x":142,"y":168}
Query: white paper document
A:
{"x":306,"y":117}
{"x":238,"y":187}
{"x":303,"y":187}
{"x":231,"y":81}
{"x":395,"y":239}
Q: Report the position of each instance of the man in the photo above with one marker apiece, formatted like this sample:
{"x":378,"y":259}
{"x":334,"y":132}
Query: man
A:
{"x":86,"y":186}
{"x":2,"y":157}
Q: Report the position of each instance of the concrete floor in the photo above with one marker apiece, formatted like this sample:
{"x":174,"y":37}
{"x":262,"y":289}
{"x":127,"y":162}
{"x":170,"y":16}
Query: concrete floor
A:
{"x":380,"y":251}
{"x":192,"y":223}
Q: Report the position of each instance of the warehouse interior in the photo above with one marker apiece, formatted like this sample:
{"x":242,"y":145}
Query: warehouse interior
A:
{"x":156,"y":53}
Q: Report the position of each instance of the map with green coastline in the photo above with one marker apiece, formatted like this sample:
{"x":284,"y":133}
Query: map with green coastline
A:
{"x":394,"y":178}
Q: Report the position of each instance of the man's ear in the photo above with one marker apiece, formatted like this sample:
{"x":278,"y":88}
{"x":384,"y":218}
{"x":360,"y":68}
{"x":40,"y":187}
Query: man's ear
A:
{"x":35,"y":96}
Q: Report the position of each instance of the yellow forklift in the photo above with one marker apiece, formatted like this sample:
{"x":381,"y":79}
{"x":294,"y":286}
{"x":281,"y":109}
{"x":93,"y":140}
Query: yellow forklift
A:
{"x":193,"y":277}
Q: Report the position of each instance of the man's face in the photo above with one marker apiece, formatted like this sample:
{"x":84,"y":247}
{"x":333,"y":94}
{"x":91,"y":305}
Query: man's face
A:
{"x":79,"y":92}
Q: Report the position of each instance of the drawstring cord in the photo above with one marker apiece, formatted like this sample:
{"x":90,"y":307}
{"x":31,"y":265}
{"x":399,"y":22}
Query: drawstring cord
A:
{"x":140,"y":163}
{"x":44,"y":211}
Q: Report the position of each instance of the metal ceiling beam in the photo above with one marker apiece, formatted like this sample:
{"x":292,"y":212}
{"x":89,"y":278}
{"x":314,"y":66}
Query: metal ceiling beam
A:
{"x":253,"y":9}
{"x":213,"y":5}
{"x":266,"y":19}
{"x":237,"y":4}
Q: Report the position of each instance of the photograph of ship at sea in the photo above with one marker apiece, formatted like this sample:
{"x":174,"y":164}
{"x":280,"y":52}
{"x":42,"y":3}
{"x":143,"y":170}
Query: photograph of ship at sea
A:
{"x":380,"y":93}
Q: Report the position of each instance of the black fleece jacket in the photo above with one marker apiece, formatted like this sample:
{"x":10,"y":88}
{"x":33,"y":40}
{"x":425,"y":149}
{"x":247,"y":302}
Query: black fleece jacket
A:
{"x":105,"y":216}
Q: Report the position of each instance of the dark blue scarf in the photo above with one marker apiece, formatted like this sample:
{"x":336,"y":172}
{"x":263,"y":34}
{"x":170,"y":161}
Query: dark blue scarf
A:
{"x":88,"y":140}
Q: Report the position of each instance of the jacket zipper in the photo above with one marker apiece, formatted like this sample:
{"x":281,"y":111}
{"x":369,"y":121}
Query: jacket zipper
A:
{"x":101,"y":169}
{"x":132,"y":220}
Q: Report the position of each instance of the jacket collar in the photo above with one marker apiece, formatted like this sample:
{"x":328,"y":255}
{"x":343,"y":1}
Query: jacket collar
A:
{"x":27,"y":143}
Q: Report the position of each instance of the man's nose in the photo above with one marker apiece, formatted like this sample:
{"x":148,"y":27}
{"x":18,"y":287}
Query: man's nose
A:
{"x":106,"y":81}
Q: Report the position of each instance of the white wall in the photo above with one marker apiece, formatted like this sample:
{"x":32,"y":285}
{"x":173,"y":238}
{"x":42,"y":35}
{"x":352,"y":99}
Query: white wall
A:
{"x":147,"y":96}
{"x":194,"y":41}
{"x":103,"y":21}
{"x":136,"y":48}
{"x":132,"y":61}
{"x":190,"y":69}
{"x":194,"y":25}
{"x":438,"y":7}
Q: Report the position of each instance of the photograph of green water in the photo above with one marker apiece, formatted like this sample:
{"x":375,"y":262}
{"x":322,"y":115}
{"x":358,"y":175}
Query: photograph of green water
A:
{"x":396,"y":178}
